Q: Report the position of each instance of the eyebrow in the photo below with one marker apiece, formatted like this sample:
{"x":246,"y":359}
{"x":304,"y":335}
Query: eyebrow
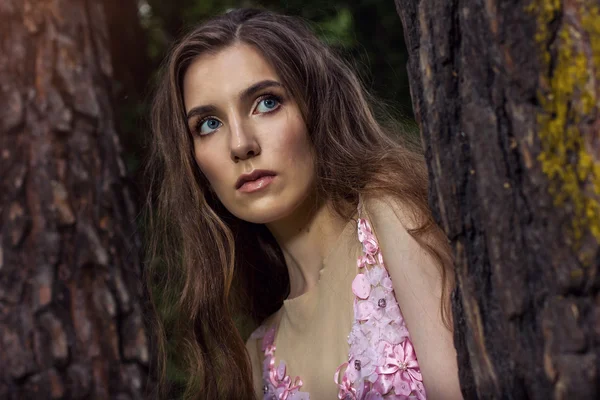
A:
{"x":245,"y":95}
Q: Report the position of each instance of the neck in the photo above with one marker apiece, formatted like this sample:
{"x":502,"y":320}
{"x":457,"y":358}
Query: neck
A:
{"x":306,"y":237}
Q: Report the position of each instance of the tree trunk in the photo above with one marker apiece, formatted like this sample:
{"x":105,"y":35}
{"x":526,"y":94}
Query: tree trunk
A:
{"x":507,"y":97}
{"x":70,"y":295}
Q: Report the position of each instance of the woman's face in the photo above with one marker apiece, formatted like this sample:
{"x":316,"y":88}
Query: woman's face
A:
{"x":250,"y":139}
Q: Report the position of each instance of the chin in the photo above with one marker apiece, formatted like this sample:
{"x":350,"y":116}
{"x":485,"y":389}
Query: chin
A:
{"x":264,"y":215}
{"x":267,"y":210}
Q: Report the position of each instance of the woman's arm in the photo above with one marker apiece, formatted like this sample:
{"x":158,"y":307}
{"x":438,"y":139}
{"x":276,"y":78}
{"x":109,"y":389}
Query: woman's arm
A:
{"x":418,"y":286}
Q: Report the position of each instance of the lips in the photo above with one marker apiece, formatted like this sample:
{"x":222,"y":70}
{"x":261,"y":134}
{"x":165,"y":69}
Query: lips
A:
{"x":255,"y":175}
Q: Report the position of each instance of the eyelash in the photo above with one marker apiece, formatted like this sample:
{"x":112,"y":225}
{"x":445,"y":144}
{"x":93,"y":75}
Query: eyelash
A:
{"x":257,"y":101}
{"x":269,"y":96}
{"x":201,"y":121}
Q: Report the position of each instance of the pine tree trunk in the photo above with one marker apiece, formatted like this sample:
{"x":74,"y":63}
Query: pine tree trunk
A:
{"x":70,"y":295}
{"x":507,"y":95}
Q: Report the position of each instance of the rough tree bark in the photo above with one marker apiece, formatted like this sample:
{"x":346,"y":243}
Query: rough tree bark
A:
{"x":70,"y":294}
{"x":507,"y":97}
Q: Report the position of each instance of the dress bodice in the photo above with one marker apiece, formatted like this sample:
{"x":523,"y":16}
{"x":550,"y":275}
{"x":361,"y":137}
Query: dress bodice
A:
{"x":381,"y":362}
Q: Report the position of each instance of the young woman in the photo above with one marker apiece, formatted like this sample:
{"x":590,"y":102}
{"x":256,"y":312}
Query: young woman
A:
{"x":276,"y":192}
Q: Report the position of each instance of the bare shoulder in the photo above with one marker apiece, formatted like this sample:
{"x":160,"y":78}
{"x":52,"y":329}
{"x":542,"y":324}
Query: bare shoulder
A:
{"x":406,"y":259}
{"x":391,"y":221}
{"x":417,"y":285}
{"x":389,"y":210}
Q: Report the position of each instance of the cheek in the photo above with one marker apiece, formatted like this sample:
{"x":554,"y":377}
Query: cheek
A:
{"x":210,"y":166}
{"x":302,"y":158}
{"x":296,"y":146}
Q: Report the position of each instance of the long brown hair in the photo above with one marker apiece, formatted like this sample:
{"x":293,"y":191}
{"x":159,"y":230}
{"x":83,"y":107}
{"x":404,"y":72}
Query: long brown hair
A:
{"x":199,"y":267}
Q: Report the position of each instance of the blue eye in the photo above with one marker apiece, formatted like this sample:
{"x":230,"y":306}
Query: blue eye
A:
{"x":267,"y":104}
{"x":208,"y":125}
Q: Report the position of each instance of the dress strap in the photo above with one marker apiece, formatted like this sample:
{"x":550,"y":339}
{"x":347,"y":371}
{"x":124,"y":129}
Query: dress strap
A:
{"x":360,"y":205}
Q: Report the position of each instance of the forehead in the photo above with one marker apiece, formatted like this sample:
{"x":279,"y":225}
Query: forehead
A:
{"x":220,"y":76}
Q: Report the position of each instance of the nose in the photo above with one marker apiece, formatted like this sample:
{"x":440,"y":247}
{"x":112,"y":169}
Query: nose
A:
{"x":243,"y":142}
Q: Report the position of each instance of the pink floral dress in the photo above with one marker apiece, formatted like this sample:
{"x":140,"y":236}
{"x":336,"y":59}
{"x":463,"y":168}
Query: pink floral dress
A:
{"x":381,"y":361}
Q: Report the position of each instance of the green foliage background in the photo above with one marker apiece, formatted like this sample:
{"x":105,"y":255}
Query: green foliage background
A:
{"x":367,"y":33}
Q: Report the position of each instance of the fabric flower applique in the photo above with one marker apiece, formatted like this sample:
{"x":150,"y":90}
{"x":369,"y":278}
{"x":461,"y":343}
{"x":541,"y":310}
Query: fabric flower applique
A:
{"x":376,"y":301}
{"x":382,"y":363}
{"x":371,"y":254}
{"x":400,"y":371}
{"x":277,"y":384}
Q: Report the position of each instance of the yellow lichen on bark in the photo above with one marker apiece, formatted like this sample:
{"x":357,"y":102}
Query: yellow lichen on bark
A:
{"x":568,"y":99}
